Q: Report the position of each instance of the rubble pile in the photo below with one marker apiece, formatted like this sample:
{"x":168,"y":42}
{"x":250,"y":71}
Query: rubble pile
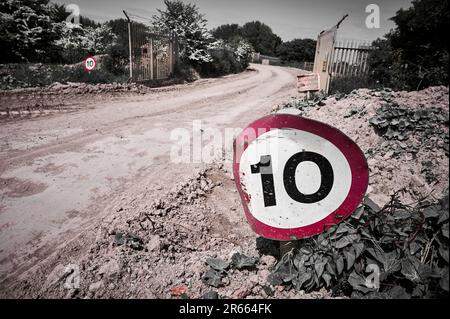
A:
{"x":57,"y":97}
{"x":183,"y":244}
{"x":404,"y":136}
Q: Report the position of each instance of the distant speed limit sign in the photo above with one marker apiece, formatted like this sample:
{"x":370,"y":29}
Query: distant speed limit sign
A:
{"x":297,"y":177}
{"x":89,"y":64}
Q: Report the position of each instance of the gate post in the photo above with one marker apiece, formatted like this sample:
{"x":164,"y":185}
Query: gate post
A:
{"x":129,"y":43}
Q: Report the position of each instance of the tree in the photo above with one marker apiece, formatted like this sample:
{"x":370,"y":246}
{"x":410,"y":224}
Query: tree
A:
{"x":227,"y":31}
{"x":27,"y":31}
{"x":231,"y":56}
{"x":300,"y":50}
{"x":78,"y":42}
{"x":184,"y":21}
{"x":414,"y":54}
{"x":261,"y":37}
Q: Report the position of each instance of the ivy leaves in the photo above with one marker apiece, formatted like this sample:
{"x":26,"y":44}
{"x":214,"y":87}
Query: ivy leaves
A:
{"x":396,"y":123}
{"x":403,"y":249}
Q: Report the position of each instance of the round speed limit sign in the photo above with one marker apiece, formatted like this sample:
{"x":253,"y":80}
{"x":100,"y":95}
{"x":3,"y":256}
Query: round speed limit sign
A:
{"x":89,"y":64}
{"x":297,"y":177}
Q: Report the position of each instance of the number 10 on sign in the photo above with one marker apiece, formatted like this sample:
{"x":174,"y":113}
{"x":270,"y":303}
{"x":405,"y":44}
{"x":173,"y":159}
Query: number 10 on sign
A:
{"x":297,"y":177}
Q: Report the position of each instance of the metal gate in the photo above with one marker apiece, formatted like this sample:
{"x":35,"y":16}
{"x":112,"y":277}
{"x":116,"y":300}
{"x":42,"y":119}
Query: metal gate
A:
{"x":324,"y":52}
{"x":339,"y":59}
{"x":152,"y":56}
{"x":350,"y":58}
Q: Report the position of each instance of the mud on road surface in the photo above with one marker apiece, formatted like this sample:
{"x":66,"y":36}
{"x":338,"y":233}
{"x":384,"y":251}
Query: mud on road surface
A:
{"x":60,"y":172}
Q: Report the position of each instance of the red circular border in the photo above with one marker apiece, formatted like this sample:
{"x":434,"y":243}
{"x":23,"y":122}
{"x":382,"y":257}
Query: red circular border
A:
{"x":95,"y":63}
{"x":351,"y":151}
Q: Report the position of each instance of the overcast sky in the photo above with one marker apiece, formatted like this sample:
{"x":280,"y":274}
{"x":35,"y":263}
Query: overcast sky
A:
{"x":288,"y":18}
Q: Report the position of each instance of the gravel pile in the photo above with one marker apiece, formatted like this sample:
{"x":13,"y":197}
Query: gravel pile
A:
{"x":403,"y":134}
{"x":185,"y":244}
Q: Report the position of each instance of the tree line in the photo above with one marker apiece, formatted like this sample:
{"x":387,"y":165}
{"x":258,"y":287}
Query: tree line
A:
{"x":413,"y":55}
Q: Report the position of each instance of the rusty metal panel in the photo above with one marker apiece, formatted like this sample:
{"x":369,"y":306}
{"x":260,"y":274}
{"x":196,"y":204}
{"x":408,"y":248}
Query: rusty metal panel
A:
{"x":308,"y":82}
{"x":324,"y":52}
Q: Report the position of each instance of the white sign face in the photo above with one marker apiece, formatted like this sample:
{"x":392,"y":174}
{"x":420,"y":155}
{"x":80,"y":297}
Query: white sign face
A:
{"x":297,"y":177}
{"x":306,"y":157}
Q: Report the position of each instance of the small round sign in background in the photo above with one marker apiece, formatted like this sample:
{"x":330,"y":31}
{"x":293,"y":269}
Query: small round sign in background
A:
{"x":90,"y":63}
{"x":297,"y":177}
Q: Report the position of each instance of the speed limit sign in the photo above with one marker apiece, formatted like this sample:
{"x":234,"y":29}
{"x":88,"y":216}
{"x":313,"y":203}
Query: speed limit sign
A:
{"x":297,"y":177}
{"x":89,"y":64}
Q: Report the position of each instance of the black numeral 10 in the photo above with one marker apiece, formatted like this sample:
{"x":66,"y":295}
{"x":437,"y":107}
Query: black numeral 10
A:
{"x":264,"y":167}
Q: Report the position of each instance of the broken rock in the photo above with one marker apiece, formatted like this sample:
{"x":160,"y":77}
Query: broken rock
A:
{"x":96,"y":285}
{"x":110,"y":269}
{"x":154,"y":244}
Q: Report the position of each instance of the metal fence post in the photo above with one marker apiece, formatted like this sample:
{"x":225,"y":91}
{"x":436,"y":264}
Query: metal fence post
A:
{"x":129,"y":43}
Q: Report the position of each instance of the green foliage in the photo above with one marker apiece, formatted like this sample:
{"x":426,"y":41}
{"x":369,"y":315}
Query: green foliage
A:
{"x":316,"y":100}
{"x":219,"y":268}
{"x":38,"y":74}
{"x":78,"y":42}
{"x":197,"y":46}
{"x":222,"y":63}
{"x":227,"y":31}
{"x":415,"y":54}
{"x":27,"y":31}
{"x":33,"y":31}
{"x":185,"y":72}
{"x":346,"y":84}
{"x":118,"y":60}
{"x":258,"y":34}
{"x":227,"y":57}
{"x":184,"y":21}
{"x":408,"y":245}
{"x":397,"y":123}
{"x":297,"y":50}
{"x":261,"y":37}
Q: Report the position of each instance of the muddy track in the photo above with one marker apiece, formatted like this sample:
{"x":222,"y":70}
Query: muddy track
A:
{"x":59,"y":172}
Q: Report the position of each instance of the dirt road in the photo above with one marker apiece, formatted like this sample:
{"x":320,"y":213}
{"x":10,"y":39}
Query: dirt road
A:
{"x":58,"y":173}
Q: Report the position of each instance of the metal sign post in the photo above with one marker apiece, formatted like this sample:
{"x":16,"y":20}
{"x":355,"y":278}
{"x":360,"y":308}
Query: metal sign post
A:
{"x":297,"y":177}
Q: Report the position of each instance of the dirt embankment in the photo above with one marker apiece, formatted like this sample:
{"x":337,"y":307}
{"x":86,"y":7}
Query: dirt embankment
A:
{"x":158,"y":248}
{"x":403,"y":134}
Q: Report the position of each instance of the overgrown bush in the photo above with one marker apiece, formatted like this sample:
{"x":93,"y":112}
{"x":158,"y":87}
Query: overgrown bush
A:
{"x":346,"y":84}
{"x":415,"y":54}
{"x":38,"y":74}
{"x":399,"y":251}
{"x":78,"y":42}
{"x":35,"y":31}
{"x":117,"y":62}
{"x":258,"y":34}
{"x":227,"y":57}
{"x":185,"y":72}
{"x":297,"y":50}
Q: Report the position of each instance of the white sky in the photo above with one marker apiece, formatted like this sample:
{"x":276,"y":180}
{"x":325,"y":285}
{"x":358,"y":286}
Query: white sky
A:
{"x":288,"y":18}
